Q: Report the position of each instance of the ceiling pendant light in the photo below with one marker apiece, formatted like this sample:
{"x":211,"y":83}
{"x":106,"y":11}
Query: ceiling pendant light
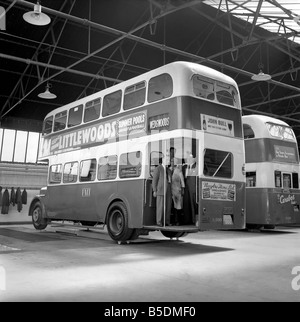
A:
{"x":47,"y":94}
{"x":261,"y":76}
{"x":36,"y":17}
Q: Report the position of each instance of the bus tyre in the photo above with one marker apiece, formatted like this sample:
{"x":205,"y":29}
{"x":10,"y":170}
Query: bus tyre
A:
{"x":38,"y":221}
{"x":173,"y":234}
{"x":117,"y":222}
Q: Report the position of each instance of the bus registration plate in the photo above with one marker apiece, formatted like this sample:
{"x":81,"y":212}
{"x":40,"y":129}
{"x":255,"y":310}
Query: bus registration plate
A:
{"x":227,"y":220}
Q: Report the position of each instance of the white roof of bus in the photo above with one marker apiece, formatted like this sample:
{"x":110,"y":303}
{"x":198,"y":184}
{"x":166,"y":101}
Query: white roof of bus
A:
{"x":171,"y":68}
{"x":257,"y":124}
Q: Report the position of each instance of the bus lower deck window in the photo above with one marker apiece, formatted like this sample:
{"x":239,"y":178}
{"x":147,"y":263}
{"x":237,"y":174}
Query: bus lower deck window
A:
{"x":55,"y":173}
{"x":88,"y":170}
{"x":250,"y":179}
{"x":130,"y":165}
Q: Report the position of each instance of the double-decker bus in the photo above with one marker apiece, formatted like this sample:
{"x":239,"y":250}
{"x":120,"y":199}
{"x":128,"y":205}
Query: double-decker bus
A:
{"x":272,"y":172}
{"x":103,"y":149}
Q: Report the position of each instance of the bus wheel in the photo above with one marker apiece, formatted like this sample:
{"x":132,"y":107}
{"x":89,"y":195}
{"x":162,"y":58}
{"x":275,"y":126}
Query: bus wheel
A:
{"x":173,"y":234}
{"x":38,"y":221}
{"x":117,"y":222}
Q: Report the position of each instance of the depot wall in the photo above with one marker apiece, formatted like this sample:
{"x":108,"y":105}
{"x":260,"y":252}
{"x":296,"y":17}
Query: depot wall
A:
{"x":31,"y":177}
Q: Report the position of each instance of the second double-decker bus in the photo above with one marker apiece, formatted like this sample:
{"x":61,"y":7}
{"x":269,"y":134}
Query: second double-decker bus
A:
{"x":103,"y":149}
{"x":272,"y":172}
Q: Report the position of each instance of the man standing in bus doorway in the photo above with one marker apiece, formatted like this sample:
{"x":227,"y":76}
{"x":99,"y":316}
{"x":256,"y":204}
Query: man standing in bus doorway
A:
{"x":191,"y":174}
{"x":161,"y":185}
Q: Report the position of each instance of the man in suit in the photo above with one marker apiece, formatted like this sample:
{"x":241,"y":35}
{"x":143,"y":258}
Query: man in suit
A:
{"x":191,"y":181}
{"x":161,"y":185}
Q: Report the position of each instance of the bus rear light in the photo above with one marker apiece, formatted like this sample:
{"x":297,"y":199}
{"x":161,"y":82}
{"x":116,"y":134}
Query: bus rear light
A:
{"x":243,"y":212}
{"x":243,"y":170}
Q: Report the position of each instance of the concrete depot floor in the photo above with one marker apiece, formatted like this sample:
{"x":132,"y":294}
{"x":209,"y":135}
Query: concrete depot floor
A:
{"x":207,"y":266}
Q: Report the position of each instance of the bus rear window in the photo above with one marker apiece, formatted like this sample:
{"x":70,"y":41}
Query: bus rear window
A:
{"x":134,"y":96}
{"x":112,"y":103}
{"x":226,"y":94}
{"x":130,"y":164}
{"x":217,"y":163}
{"x":92,"y":110}
{"x":75,"y":116}
{"x":47,"y":126}
{"x":280,"y":131}
{"x":203,"y":87}
{"x":160,"y":87}
{"x":55,"y":174}
{"x":60,"y":121}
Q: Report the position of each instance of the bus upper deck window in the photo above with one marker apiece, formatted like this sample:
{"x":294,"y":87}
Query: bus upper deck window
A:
{"x":134,"y":95}
{"x":92,"y":110}
{"x":203,"y":87}
{"x":160,"y":87}
{"x":47,"y":126}
{"x":248,"y":132}
{"x":60,"y":121}
{"x":226,"y":94}
{"x":280,"y":131}
{"x":75,"y":116}
{"x":112,"y":103}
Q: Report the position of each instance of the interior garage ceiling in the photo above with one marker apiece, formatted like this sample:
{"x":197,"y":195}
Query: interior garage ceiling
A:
{"x":90,"y":45}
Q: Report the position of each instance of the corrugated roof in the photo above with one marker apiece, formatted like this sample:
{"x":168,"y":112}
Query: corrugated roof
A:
{"x":279,"y":17}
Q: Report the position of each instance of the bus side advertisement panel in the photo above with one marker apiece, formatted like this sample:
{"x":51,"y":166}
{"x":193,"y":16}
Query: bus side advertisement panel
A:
{"x":95,"y":134}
